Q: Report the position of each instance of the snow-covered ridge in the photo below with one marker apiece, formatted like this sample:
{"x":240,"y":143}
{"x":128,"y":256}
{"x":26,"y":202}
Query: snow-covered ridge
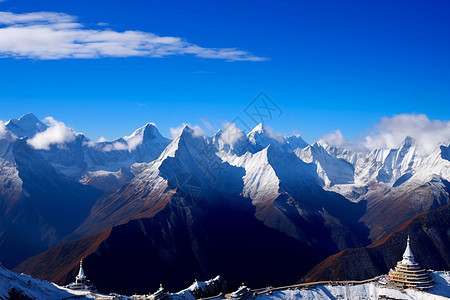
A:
{"x":28,"y":286}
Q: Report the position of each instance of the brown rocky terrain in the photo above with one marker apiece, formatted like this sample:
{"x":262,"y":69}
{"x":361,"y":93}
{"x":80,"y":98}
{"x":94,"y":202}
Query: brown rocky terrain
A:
{"x":430,"y":243}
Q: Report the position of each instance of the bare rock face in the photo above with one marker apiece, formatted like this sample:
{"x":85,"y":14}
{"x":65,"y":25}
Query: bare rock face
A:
{"x":430,"y":243}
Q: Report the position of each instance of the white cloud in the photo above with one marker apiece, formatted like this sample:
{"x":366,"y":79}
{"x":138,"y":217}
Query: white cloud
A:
{"x":56,"y":133}
{"x":101,"y":139}
{"x":231,"y":134}
{"x":51,"y":35}
{"x":334,"y":138}
{"x":176,"y":131}
{"x":134,"y":141}
{"x":273,"y":134}
{"x":196,"y":130}
{"x":391,"y":132}
{"x":207,"y":125}
{"x":3,"y":132}
{"x":115,"y":146}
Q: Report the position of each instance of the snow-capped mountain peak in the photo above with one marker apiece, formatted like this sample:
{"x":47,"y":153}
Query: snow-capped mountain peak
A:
{"x":295,"y":141}
{"x":26,"y":126}
{"x":261,"y":137}
{"x":148,"y":131}
{"x":258,"y":129}
{"x":145,"y":134}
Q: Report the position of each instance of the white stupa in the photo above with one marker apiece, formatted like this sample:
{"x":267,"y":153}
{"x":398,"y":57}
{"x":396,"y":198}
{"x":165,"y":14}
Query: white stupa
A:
{"x":81,"y":283}
{"x":408,"y":274}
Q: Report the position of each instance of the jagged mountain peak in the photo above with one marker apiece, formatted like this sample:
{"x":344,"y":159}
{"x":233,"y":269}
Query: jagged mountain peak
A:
{"x":192,"y":133}
{"x":148,"y":131}
{"x":189,"y":139}
{"x":25,"y":118}
{"x":258,"y":129}
{"x":260,"y":137}
{"x":26,"y":126}
{"x":408,"y":142}
{"x":218,"y":133}
{"x":295,"y":141}
{"x":317,"y":145}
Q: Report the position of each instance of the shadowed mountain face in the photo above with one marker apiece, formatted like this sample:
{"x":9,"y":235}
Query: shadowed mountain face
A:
{"x":430,"y":244}
{"x":42,"y":198}
{"x":191,"y":242}
{"x":197,"y":242}
{"x":45,"y":206}
{"x":199,"y":206}
{"x":191,"y":222}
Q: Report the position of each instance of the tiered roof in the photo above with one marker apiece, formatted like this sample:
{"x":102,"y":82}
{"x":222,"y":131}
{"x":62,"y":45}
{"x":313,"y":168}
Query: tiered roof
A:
{"x":408,"y":273}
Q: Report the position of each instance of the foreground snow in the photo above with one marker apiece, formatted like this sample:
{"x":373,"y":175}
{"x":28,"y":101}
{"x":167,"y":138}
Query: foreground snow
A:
{"x":40,"y":289}
{"x":371,"y":290}
{"x":32,"y":288}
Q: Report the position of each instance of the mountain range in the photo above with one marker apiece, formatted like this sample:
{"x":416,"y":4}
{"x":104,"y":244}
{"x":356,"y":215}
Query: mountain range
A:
{"x":241,"y":205}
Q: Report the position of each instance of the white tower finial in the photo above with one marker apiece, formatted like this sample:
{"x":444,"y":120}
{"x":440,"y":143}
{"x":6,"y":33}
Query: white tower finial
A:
{"x":408,"y":256}
{"x":81,"y":277}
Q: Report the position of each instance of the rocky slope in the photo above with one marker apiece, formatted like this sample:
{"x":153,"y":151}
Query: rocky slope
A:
{"x":39,"y":205}
{"x":185,"y":214}
{"x":46,"y":193}
{"x":187,"y":199}
{"x":430,"y":244}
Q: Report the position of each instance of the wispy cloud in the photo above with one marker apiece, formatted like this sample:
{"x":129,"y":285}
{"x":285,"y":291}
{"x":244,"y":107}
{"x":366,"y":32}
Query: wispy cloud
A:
{"x":231,"y":134}
{"x":196,"y":130}
{"x":3,"y":132}
{"x":391,"y":132}
{"x":52,"y":35}
{"x":116,"y":146}
{"x":134,"y":141}
{"x":209,"y":127}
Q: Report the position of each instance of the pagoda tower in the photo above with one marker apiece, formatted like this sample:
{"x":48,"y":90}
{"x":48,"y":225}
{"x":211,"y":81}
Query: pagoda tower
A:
{"x":408,"y":274}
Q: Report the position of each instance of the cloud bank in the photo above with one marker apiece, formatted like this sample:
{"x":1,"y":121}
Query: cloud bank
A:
{"x":391,"y":132}
{"x":57,"y":133}
{"x":52,"y":35}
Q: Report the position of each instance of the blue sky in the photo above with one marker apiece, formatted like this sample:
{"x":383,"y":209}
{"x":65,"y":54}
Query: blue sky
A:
{"x":327,"y":64}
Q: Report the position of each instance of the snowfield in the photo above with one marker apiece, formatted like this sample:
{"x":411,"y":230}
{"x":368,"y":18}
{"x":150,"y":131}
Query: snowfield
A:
{"x":32,"y":288}
{"x":371,"y":290}
{"x":40,"y":289}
